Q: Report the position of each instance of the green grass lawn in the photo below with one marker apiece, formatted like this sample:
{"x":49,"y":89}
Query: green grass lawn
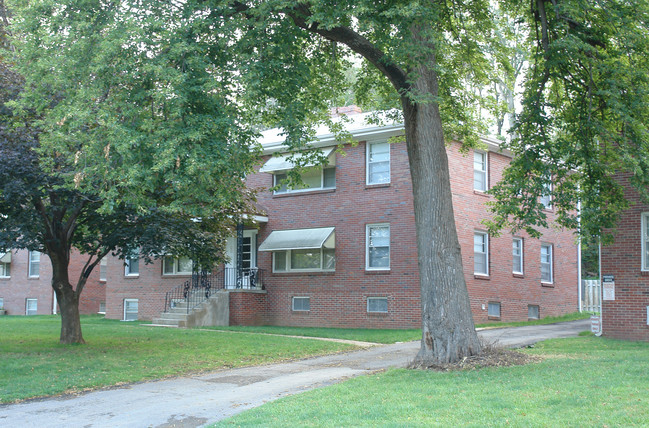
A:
{"x":582,"y":382}
{"x":380,"y":335}
{"x":547,"y":320}
{"x":363,"y":335}
{"x":34,"y":364}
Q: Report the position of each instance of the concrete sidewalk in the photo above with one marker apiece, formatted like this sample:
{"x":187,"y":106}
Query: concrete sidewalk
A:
{"x":198,"y":400}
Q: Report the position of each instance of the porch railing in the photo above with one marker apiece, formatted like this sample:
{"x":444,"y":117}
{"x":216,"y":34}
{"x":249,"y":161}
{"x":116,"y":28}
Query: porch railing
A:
{"x":201,"y":286}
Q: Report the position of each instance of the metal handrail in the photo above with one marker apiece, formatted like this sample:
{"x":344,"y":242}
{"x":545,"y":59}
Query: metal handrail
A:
{"x":202,"y":285}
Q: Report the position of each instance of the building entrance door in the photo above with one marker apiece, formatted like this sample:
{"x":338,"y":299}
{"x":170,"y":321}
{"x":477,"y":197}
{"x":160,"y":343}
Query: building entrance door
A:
{"x":245,"y":278}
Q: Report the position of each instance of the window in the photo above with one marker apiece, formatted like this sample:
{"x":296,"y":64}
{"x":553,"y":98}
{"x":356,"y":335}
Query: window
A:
{"x":302,"y":250}
{"x":546,"y":197}
{"x":34,"y":264}
{"x":378,"y":163}
{"x":315,"y":178}
{"x":480,"y":253}
{"x":304,"y":260}
{"x":132,"y":264}
{"x":5,"y":270}
{"x":645,"y":241}
{"x":130,"y":309}
{"x":377,"y":247}
{"x":102,"y":307}
{"x":546,"y":263}
{"x":494,"y":310}
{"x":31,"y":306}
{"x":480,"y":171}
{"x":301,"y":304}
{"x":517,"y":255}
{"x":377,"y":304}
{"x":5,"y":264}
{"x":533,"y":312}
{"x":2,"y":303}
{"x":103,"y":264}
{"x":177,"y":266}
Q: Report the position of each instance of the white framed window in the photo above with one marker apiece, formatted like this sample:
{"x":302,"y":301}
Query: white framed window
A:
{"x":132,"y":264}
{"x":480,"y":175}
{"x":103,"y":269}
{"x":307,"y":260}
{"x":546,"y":197}
{"x":314,"y":178}
{"x":130,"y":309}
{"x":377,"y":305}
{"x":546,"y":263}
{"x":102,"y":307}
{"x":34,"y":264}
{"x":2,"y":303}
{"x":5,"y":264}
{"x":377,"y":247}
{"x":533,"y":312}
{"x":378,"y":163}
{"x":177,"y":266}
{"x":645,"y":241}
{"x":301,"y":304}
{"x":494,"y":310}
{"x":5,"y":270}
{"x":517,"y":255}
{"x":31,"y":306}
{"x":480,"y":253}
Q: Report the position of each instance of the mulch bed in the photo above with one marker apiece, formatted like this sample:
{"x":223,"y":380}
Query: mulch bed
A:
{"x":489,"y":357}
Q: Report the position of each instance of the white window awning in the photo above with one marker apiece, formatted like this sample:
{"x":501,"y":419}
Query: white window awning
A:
{"x":5,"y":257}
{"x":300,"y":239}
{"x":283,"y":163}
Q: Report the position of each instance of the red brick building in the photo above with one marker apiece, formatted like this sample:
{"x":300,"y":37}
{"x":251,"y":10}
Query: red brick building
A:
{"x":342,"y":252}
{"x":26,"y":284}
{"x":368,"y":275}
{"x":625,"y":304}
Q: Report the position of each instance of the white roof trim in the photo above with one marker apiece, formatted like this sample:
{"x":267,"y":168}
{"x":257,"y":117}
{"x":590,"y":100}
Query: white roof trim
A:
{"x":272,"y":140}
{"x":284,"y":163}
{"x":300,"y":239}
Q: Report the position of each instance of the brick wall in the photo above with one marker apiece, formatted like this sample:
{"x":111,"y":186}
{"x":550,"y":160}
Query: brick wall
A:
{"x":626,"y":316}
{"x":248,"y":307}
{"x":339,"y":299}
{"x":149,"y":288}
{"x":20,"y":286}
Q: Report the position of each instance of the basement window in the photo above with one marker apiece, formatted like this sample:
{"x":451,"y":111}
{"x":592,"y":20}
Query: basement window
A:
{"x":130,"y":309}
{"x":377,"y":305}
{"x":301,"y":304}
{"x":31,"y":306}
{"x":494,"y":310}
{"x":533,"y":312}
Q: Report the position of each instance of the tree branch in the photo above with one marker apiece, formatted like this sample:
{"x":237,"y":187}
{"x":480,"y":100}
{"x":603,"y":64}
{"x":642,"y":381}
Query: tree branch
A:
{"x":42,"y":212}
{"x":355,"y":42}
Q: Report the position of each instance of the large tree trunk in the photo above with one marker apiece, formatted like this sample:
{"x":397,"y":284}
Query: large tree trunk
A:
{"x":448,"y":332}
{"x":67,"y":299}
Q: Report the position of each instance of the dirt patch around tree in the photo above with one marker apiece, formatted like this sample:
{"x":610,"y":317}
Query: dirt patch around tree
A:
{"x":491,"y":356}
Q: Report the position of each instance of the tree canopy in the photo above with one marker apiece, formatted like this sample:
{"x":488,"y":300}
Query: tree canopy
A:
{"x":140,"y":101}
{"x":115,"y":139}
{"x":584,"y":116}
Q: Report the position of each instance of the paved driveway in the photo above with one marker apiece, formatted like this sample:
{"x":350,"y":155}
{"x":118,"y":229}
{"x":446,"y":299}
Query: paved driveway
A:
{"x":198,"y":400}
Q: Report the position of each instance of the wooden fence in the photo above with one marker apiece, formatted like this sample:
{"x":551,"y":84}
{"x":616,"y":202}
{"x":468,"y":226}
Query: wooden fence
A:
{"x":590,"y":295}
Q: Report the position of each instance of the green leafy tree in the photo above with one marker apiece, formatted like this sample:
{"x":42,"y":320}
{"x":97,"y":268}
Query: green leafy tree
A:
{"x":584,"y":118}
{"x":282,"y":63}
{"x":115,"y":137}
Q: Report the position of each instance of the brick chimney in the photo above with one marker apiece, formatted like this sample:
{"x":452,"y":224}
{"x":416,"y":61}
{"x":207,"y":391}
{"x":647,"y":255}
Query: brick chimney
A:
{"x":346,"y":111}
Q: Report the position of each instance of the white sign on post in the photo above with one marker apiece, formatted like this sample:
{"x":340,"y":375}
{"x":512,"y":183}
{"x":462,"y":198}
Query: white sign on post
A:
{"x":608,"y":287}
{"x":595,"y":324}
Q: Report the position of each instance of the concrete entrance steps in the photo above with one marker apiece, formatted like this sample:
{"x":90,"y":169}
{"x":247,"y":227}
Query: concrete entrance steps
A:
{"x":213,"y":311}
